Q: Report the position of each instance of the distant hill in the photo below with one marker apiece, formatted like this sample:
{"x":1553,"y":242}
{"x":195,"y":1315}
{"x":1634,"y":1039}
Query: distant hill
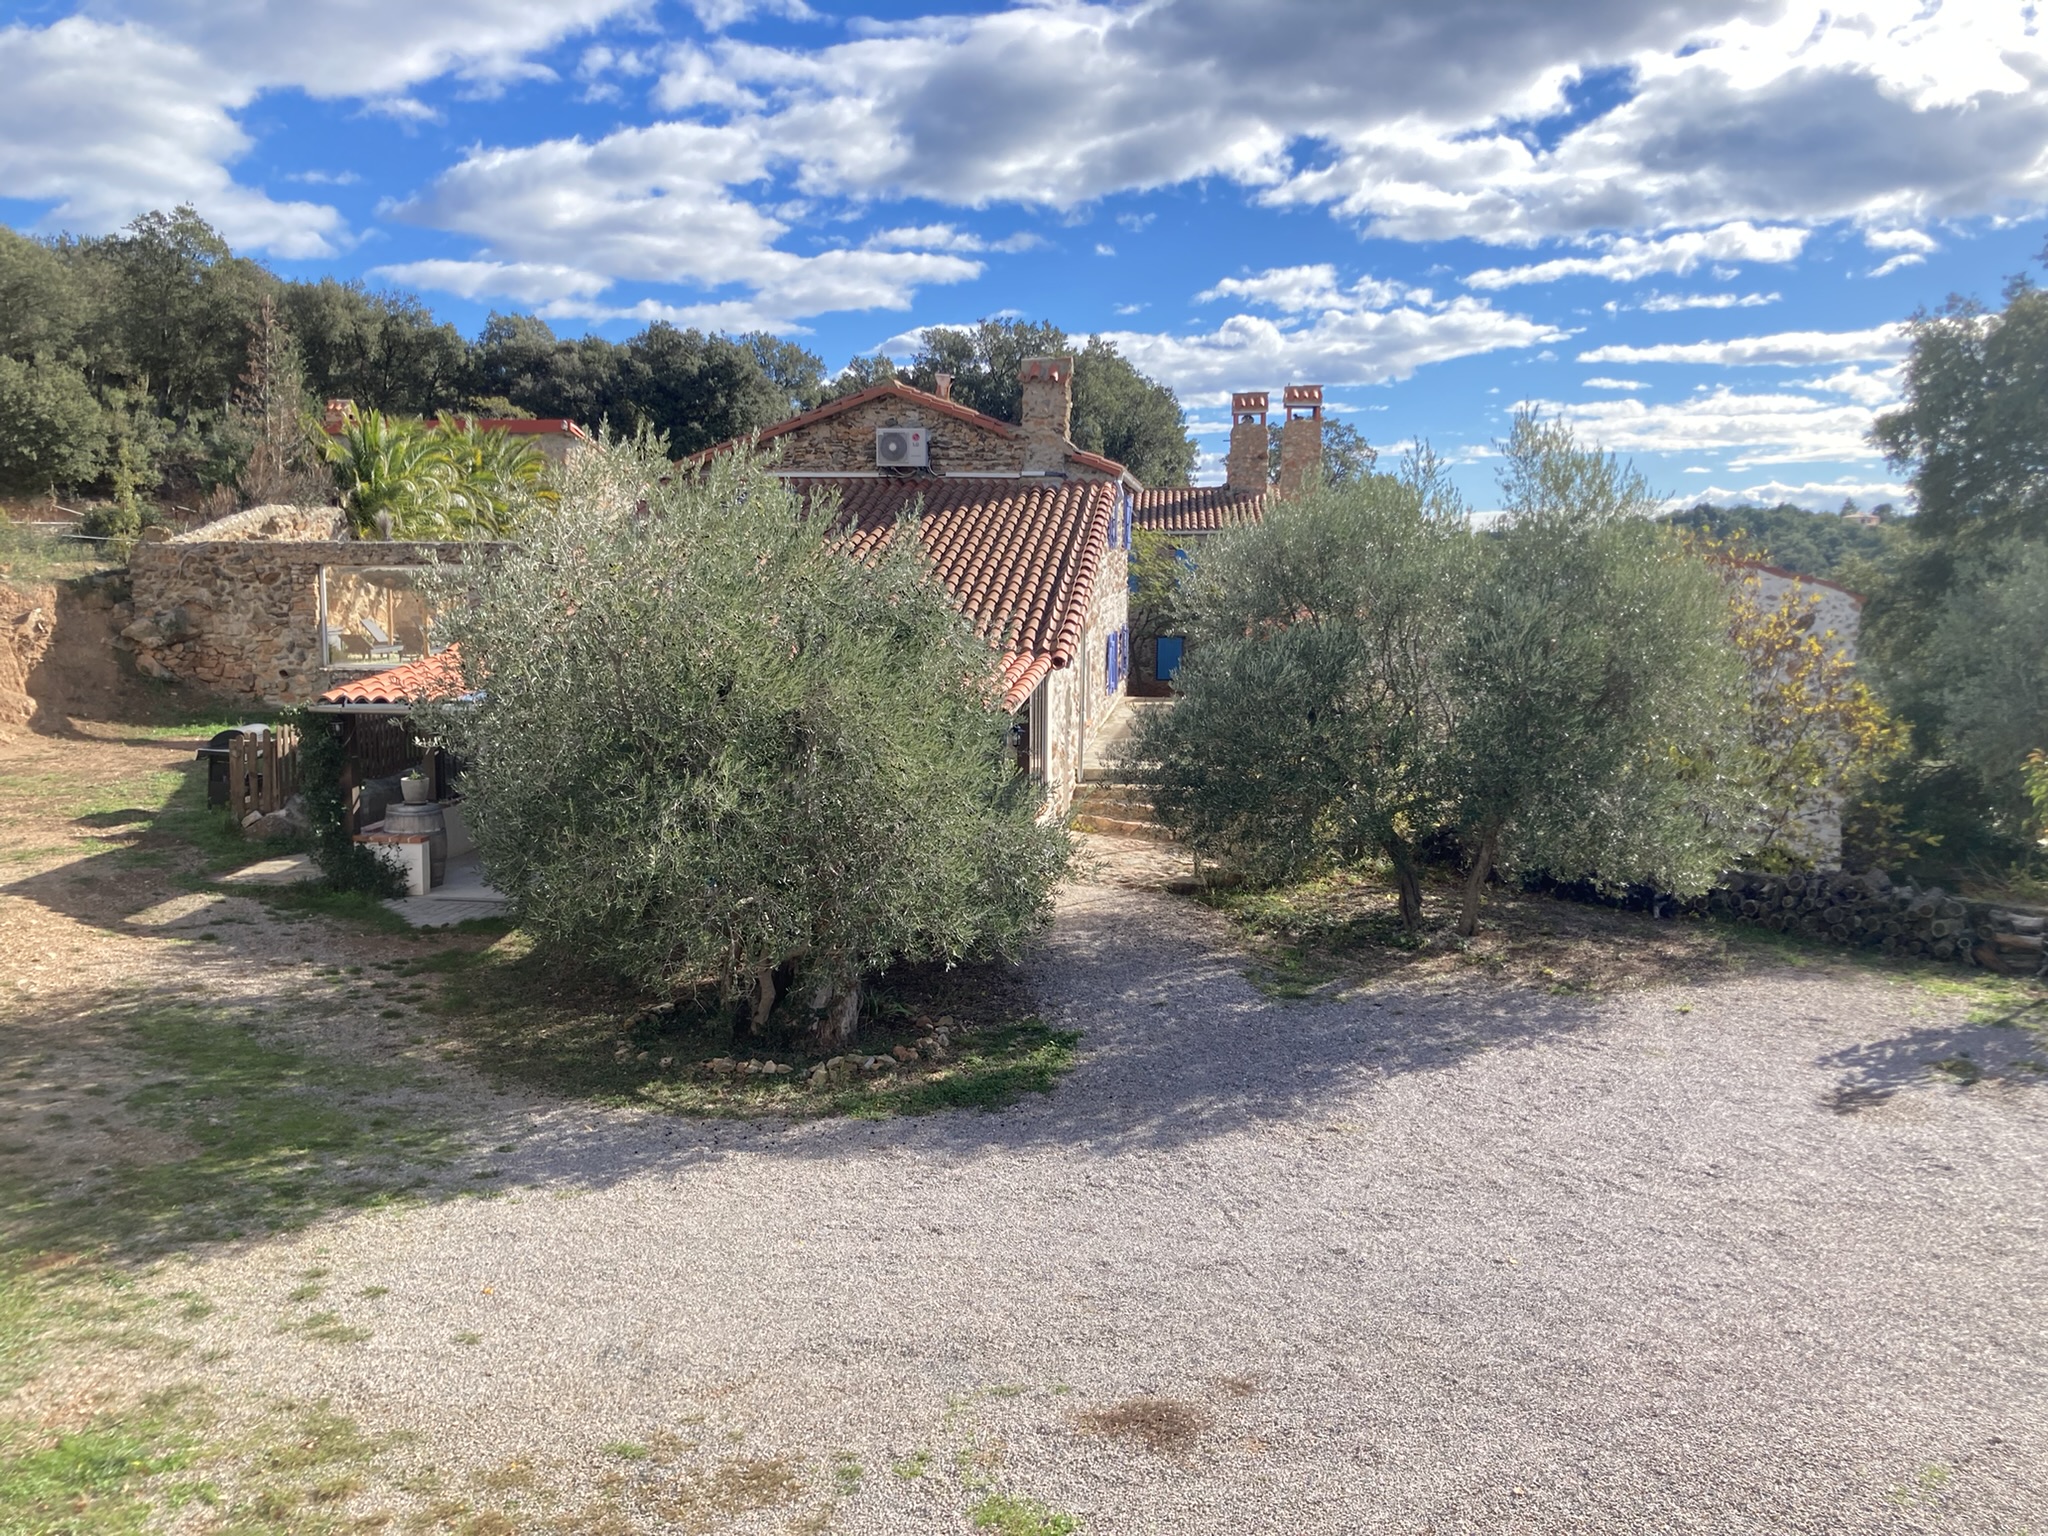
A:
{"x":1811,"y":543}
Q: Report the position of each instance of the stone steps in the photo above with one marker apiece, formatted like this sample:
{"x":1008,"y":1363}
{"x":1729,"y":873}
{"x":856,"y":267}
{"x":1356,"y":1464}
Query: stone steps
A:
{"x":1109,"y":826}
{"x":1116,"y":810}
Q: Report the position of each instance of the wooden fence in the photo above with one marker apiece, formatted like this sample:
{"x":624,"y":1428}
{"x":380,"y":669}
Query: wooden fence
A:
{"x":263,"y":772}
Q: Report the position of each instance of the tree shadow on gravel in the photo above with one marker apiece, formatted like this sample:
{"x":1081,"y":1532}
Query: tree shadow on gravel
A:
{"x":1971,"y":1056}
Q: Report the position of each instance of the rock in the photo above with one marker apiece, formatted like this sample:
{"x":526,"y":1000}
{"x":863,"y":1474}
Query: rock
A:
{"x":904,"y":1053}
{"x":818,"y":1076}
{"x":721,"y":1066}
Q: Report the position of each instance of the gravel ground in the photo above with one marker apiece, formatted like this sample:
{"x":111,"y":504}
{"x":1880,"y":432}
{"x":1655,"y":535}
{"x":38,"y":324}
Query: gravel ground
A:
{"x":1433,"y":1257}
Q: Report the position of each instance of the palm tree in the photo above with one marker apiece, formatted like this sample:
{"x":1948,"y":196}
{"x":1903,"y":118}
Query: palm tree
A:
{"x":498,"y":478}
{"x":400,"y":467}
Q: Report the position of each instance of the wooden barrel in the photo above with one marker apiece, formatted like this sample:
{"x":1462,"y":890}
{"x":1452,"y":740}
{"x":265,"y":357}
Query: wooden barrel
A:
{"x":422,"y":821}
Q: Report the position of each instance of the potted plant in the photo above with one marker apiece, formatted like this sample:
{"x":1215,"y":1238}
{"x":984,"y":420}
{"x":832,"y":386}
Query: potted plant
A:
{"x":416,"y":787}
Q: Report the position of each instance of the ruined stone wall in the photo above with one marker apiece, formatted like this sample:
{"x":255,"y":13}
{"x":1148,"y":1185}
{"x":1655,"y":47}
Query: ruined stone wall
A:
{"x":273,"y":522}
{"x":845,"y":444}
{"x":240,"y":615}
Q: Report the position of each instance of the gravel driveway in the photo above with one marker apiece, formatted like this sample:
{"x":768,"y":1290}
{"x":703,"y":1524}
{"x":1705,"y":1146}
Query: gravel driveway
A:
{"x":1432,"y":1258}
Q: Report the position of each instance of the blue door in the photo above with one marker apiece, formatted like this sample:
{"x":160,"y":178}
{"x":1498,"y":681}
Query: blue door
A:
{"x":1169,"y":657}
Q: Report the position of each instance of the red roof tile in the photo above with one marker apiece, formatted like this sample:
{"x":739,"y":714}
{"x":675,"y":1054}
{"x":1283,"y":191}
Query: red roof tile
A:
{"x":1197,"y":508}
{"x":1019,"y":556}
{"x":430,"y":677}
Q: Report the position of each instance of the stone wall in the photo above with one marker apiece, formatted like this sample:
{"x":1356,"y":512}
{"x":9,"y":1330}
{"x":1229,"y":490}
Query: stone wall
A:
{"x":272,"y":523}
{"x":845,"y":444}
{"x":1870,"y":912}
{"x":239,"y":613}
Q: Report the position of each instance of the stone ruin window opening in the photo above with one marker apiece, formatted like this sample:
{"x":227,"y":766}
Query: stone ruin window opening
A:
{"x":372,"y":618}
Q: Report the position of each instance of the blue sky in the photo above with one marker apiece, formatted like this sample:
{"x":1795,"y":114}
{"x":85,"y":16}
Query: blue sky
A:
{"x":1692,"y":227}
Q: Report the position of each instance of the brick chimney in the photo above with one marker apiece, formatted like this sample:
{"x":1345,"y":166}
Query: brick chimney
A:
{"x":1301,"y":436}
{"x":1048,"y":413}
{"x":1245,"y":469}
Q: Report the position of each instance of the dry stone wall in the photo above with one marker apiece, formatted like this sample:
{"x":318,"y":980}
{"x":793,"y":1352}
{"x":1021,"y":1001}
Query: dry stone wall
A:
{"x":1870,"y":912}
{"x":239,"y":613}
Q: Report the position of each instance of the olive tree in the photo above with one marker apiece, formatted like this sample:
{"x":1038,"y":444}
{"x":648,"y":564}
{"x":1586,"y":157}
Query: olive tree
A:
{"x":1600,"y":710}
{"x":1313,"y":703}
{"x":1365,"y":671}
{"x":707,"y":745}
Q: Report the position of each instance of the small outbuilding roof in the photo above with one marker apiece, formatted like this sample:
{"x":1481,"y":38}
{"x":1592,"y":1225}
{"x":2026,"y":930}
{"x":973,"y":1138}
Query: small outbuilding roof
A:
{"x":1198,"y":508}
{"x":438,"y":676}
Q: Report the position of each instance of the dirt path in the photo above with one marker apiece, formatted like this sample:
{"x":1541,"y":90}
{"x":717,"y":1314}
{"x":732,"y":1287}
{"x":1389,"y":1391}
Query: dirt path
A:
{"x":1751,"y":1253}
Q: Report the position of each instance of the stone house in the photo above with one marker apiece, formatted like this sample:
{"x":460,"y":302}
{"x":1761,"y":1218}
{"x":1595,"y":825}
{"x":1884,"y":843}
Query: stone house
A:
{"x":1030,"y":533}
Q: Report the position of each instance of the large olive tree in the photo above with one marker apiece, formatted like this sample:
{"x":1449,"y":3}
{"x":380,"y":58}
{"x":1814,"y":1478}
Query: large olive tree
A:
{"x":708,"y":746}
{"x":1365,"y":671}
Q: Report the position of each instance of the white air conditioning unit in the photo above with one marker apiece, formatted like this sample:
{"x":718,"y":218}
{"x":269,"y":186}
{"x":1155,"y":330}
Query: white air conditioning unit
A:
{"x":902,"y":448}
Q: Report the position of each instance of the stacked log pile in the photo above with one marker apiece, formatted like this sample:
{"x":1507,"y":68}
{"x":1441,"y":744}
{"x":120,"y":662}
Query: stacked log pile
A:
{"x":1869,"y":912}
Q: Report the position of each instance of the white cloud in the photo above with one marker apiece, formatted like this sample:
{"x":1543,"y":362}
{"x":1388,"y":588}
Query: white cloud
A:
{"x":1900,"y":240}
{"x":1815,"y":496}
{"x":653,"y":205}
{"x":1750,"y":429}
{"x":528,"y":282}
{"x":103,"y":122}
{"x":1309,"y":289}
{"x":1104,"y":249}
{"x":1625,"y":259}
{"x":401,"y":109}
{"x":1672,"y":303}
{"x":1892,"y":264}
{"x":1878,"y":387}
{"x":717,"y":15}
{"x":1337,"y":347}
{"x":325,"y":178}
{"x":368,"y":48}
{"x":1791,"y":348}
{"x":1130,"y":309}
{"x":1600,"y":383}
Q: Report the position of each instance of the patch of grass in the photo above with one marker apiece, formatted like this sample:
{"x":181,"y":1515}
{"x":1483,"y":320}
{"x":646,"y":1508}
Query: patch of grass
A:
{"x":1007,"y":1514}
{"x":1961,"y":1069}
{"x":913,"y":1466}
{"x":328,"y":1328}
{"x":467,"y":1338}
{"x":990,"y":1071}
{"x":627,"y":1450}
{"x":847,"y":1473}
{"x":372,"y":1292}
{"x":93,"y":1482}
{"x":279,"y":1135}
{"x":311,"y":899}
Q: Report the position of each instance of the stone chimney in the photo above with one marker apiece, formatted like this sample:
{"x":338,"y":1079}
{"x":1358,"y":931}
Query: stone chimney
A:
{"x":1301,"y":436}
{"x":942,"y":385}
{"x":1048,"y":413}
{"x":1245,"y":469}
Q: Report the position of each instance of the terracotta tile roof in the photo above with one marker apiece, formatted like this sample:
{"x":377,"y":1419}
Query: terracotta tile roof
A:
{"x":1198,"y":508}
{"x":1108,"y":466}
{"x":1019,"y":556}
{"x":430,"y":677}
